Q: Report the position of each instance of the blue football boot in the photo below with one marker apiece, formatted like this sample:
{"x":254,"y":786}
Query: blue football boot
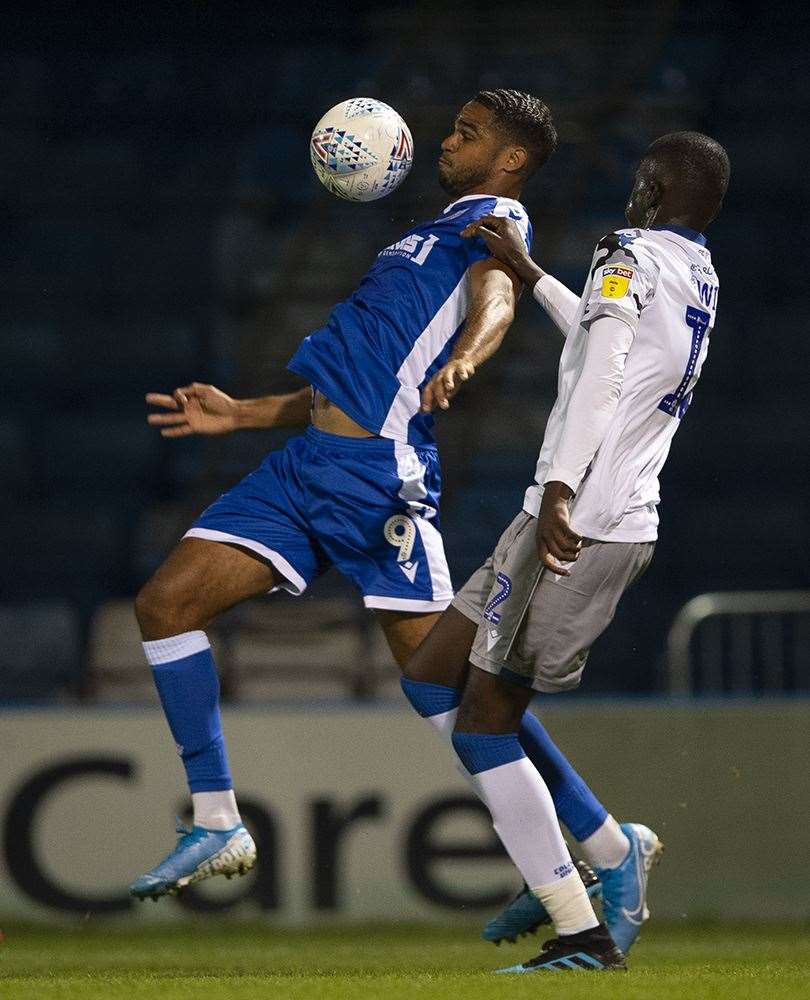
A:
{"x":199,"y":854}
{"x":526,"y":913}
{"x":588,"y":951}
{"x":624,"y":889}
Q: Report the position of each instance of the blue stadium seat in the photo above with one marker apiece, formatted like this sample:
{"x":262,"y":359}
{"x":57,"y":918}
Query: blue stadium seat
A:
{"x":115,"y":364}
{"x":754,"y":541}
{"x":15,"y":466}
{"x":32,"y":355}
{"x":39,"y":650}
{"x":98,"y":453}
{"x":60,"y":550}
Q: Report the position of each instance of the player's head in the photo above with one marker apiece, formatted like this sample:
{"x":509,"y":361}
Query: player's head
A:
{"x":682,"y":178}
{"x":499,"y":139}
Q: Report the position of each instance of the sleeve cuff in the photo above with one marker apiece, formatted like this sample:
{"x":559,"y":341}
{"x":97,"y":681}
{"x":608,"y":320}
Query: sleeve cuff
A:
{"x":557,"y":474}
{"x":544,"y":288}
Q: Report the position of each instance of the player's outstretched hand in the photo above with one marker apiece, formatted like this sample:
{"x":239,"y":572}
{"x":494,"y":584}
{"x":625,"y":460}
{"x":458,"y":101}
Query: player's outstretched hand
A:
{"x":557,"y":542}
{"x":502,"y":237}
{"x":445,"y":384}
{"x":194,"y":409}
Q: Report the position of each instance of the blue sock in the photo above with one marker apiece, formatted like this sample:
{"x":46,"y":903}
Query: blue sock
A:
{"x":483,"y":751}
{"x":575,"y":803}
{"x":430,"y":699}
{"x":188,"y":685}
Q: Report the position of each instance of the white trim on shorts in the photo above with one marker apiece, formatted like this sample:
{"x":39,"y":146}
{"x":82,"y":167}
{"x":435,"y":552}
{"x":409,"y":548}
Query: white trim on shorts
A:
{"x":411,"y":472}
{"x":293,"y":583}
{"x":405,"y":604}
{"x":440,"y":581}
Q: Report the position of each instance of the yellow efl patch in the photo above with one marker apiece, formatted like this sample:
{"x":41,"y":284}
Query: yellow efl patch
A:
{"x":615,"y":282}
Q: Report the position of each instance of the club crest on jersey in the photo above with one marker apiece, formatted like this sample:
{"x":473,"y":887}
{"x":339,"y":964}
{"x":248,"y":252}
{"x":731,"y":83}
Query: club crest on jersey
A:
{"x":615,"y":282}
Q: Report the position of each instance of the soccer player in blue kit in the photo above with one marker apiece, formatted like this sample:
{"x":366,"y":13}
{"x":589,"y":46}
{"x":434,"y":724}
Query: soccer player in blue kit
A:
{"x":360,"y":488}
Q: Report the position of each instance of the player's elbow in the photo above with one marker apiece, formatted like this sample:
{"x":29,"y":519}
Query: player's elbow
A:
{"x":609,"y":393}
{"x":503,"y":306}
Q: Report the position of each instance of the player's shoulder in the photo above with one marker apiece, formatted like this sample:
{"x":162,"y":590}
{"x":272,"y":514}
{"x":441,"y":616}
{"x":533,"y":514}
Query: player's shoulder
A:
{"x":629,"y":247}
{"x":465,"y":210}
{"x":473,"y":206}
{"x":626,"y":241}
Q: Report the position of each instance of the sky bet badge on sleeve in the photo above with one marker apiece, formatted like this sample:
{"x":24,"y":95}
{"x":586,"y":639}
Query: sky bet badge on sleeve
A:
{"x":615,"y":282}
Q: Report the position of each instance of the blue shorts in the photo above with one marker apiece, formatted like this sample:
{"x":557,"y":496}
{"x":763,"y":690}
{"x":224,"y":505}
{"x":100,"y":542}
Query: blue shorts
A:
{"x":369,"y":506}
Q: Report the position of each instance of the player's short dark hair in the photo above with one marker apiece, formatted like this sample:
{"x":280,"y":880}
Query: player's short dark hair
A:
{"x":525,"y":120}
{"x":694,"y":163}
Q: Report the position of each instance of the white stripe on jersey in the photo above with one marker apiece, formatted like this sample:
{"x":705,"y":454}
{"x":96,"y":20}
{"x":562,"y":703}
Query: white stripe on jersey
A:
{"x":427,"y":347}
{"x":432,"y":340}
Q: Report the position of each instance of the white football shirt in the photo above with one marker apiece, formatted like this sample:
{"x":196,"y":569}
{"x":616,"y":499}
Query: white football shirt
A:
{"x":662,"y":284}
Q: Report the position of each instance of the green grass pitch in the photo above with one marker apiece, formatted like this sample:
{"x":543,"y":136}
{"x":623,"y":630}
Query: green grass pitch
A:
{"x":233,"y":961}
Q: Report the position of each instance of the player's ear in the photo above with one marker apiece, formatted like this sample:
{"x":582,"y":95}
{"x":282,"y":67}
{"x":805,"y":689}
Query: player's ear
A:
{"x":517,"y":158}
{"x":644,"y":201}
{"x":654,"y":195}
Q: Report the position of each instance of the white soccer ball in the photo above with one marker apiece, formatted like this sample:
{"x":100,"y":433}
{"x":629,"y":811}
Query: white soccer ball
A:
{"x":361,"y":149}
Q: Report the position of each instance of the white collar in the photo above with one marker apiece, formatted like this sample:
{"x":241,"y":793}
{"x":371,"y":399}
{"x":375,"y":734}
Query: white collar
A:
{"x":473,"y":197}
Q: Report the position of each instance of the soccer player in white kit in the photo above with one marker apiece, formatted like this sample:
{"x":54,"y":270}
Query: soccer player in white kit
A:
{"x":636,"y":342}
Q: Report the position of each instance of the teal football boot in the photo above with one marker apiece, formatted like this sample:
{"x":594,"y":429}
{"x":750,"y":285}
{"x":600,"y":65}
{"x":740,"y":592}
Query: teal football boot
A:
{"x":199,"y":854}
{"x":624,"y":889}
{"x":526,"y":913}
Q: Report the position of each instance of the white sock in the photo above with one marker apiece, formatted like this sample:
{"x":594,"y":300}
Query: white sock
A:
{"x":568,"y":905}
{"x":175,"y":647}
{"x":443,"y":723}
{"x":215,"y":810}
{"x":524,"y":818}
{"x":606,"y":847}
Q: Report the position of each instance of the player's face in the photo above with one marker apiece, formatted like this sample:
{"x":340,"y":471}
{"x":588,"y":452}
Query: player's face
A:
{"x":471,"y":152}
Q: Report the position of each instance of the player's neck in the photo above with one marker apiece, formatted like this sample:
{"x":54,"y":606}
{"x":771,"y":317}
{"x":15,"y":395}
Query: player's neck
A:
{"x":498,"y":190}
{"x":664,"y":220}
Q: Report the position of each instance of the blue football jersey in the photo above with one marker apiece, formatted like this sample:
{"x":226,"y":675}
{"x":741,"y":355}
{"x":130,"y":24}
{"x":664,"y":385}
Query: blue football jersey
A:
{"x":382,"y":344}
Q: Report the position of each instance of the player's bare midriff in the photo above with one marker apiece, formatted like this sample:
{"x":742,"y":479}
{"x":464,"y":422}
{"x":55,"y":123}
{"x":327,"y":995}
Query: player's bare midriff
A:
{"x":330,"y":418}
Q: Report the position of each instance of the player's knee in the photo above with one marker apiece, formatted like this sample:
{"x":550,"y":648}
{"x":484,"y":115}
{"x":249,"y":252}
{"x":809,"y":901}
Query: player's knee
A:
{"x":470,"y":719}
{"x":163,"y":609}
{"x":490,"y":705}
{"x":148,"y":610}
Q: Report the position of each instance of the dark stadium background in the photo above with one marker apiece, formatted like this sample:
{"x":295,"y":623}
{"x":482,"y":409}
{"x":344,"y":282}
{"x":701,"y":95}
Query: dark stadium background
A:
{"x":161,"y":224}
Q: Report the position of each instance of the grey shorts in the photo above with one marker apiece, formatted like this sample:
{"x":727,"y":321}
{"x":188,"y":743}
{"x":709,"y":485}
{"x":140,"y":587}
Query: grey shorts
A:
{"x":538,"y":634}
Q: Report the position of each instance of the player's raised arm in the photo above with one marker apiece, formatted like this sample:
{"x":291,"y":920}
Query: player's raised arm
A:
{"x":203,"y":409}
{"x":505,"y":242}
{"x":494,"y":290}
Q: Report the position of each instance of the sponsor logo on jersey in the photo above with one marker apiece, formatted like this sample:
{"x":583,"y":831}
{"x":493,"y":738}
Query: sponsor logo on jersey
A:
{"x":416,"y":248}
{"x":615,"y":282}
